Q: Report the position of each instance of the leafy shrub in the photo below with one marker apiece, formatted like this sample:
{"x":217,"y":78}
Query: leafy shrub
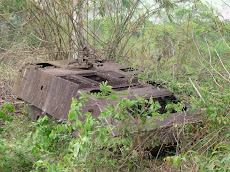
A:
{"x":11,"y":152}
{"x":5,"y":112}
{"x":46,"y":137}
{"x":14,"y":157}
{"x":98,"y":145}
{"x":218,"y":159}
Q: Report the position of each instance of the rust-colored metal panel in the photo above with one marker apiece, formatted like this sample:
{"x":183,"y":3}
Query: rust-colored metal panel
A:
{"x":47,"y":92}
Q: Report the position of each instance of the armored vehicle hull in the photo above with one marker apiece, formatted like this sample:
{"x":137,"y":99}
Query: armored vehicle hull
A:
{"x":49,"y":87}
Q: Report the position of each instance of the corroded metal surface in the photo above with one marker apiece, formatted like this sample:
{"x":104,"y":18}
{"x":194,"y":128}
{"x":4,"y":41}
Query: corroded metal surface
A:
{"x":51,"y":86}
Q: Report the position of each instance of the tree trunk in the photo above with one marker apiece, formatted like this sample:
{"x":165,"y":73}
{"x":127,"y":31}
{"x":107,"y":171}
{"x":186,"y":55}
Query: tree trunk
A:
{"x":79,"y":42}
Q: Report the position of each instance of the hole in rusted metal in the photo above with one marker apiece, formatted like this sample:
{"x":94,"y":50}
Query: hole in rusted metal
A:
{"x":95,"y":91}
{"x":99,"y":61}
{"x":167,"y":100}
{"x":129,"y":69}
{"x":99,"y":91}
{"x":44,"y":65}
{"x":153,"y":83}
{"x":42,"y":87}
{"x":90,"y":110}
{"x":163,"y":101}
{"x":95,"y":77}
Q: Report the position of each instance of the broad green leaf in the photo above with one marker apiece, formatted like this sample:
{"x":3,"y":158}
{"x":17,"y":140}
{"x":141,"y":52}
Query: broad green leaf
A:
{"x":75,"y":115}
{"x":175,"y":158}
{"x":74,"y":125}
{"x":71,"y":115}
{"x":59,"y":128}
{"x":64,"y":127}
{"x":179,"y":160}
{"x":70,"y":129}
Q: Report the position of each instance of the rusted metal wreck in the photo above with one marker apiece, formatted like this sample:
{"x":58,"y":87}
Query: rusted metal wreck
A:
{"x":49,"y":88}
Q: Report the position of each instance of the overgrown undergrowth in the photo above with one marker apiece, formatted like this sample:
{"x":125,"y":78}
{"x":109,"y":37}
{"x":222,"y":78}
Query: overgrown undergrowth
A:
{"x":49,"y":146}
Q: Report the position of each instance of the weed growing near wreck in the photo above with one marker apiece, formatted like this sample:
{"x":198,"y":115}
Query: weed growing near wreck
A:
{"x":50,"y":147}
{"x":112,"y":146}
{"x":97,"y":148}
{"x":5,"y":115}
{"x":25,"y":145}
{"x":47,"y":138}
{"x":13,"y":155}
{"x":218,"y":159}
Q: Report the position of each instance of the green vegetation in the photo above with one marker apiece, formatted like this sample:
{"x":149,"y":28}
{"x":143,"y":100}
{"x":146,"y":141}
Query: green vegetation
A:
{"x":186,"y":51}
{"x":50,"y":146}
{"x":4,"y":116}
